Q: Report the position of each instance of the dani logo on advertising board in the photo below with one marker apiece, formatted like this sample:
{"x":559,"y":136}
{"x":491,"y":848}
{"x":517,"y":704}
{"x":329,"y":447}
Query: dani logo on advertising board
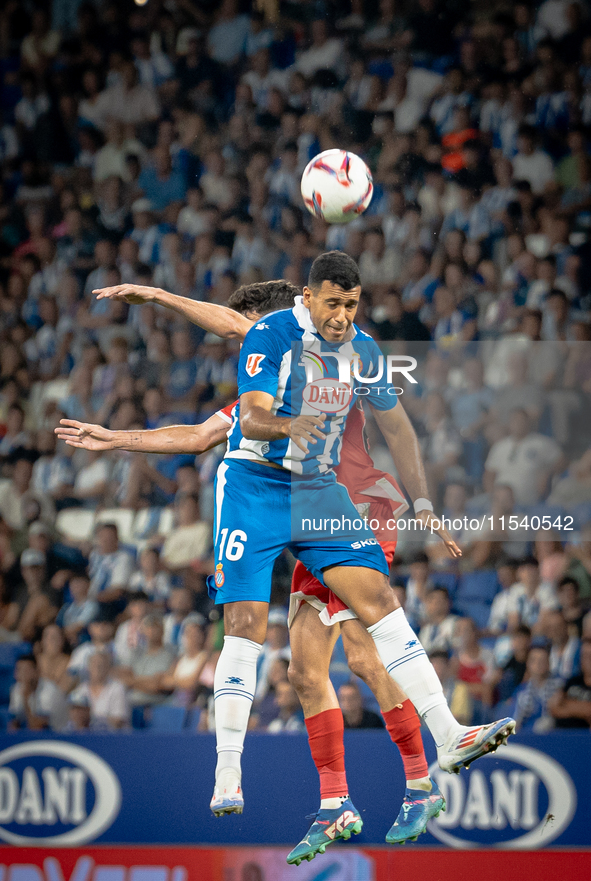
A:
{"x":518,"y":799}
{"x":55,"y":793}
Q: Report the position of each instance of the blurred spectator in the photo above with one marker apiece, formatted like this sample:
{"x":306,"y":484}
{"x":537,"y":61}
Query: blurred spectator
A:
{"x":475,"y":663}
{"x":498,"y":620}
{"x":266,"y":709}
{"x":524,"y":460}
{"x":456,"y":693}
{"x":15,"y":437}
{"x":511,"y":670}
{"x":439,"y":630}
{"x":530,"y":598}
{"x":150,"y":579}
{"x":37,"y":608}
{"x":418,"y":586}
{"x":291,"y":716}
{"x":105,"y":696}
{"x":78,"y":714}
{"x":275,"y":646}
{"x":354,"y":713}
{"x":191,"y":540}
{"x":36,"y":703}
{"x":572,"y":607}
{"x":564,"y":647}
{"x":180,"y":605}
{"x":110,"y":567}
{"x":193,"y":672}
{"x":144,"y":677}
{"x":532,"y":698}
{"x":571,"y":706}
{"x":101,"y":632}
{"x":52,"y":660}
{"x":129,"y":637}
{"x":76,"y":614}
{"x":16,"y":494}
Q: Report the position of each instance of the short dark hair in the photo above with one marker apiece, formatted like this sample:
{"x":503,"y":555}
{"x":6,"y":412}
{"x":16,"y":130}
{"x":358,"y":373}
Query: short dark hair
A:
{"x":568,"y":579}
{"x":263,"y":297}
{"x":522,"y":630}
{"x":440,"y":588}
{"x":439,"y":653}
{"x":529,"y":561}
{"x":337,"y":268}
{"x":30,"y":657}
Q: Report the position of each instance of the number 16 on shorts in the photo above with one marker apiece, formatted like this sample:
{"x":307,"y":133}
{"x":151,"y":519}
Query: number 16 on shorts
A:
{"x":232,"y":545}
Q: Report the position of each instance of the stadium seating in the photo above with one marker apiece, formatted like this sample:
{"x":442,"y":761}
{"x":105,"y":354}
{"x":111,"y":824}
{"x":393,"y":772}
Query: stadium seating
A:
{"x":166,"y":718}
{"x":75,"y":524}
{"x":192,"y":719}
{"x":6,"y":683}
{"x":474,"y":595}
{"x":11,"y":651}
{"x":449,"y":580}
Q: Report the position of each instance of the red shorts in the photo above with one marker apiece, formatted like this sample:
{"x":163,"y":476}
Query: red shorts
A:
{"x":307,"y":589}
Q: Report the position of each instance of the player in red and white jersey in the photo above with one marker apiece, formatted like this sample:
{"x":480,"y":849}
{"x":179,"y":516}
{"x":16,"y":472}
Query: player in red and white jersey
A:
{"x":377,"y":497}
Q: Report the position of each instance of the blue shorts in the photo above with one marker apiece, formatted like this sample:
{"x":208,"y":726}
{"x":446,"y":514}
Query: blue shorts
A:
{"x":259,"y":512}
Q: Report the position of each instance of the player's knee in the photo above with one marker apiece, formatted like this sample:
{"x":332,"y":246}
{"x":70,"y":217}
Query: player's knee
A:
{"x":364,"y":664}
{"x":246,"y":622}
{"x":304,"y":680}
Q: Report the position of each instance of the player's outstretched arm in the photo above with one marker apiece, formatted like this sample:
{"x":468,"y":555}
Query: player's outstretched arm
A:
{"x":169,"y":439}
{"x":258,"y":423}
{"x":213,"y":318}
{"x":406,"y":452}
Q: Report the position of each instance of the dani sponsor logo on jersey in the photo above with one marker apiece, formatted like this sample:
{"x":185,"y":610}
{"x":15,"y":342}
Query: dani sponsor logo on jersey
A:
{"x":55,"y":793}
{"x":327,"y":394}
{"x":519,"y":798}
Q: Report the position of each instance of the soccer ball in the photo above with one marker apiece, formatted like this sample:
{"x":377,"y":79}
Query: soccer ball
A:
{"x":337,"y":186}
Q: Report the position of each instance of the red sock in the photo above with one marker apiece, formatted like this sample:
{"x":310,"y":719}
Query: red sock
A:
{"x":325,"y":735}
{"x":404,"y":727}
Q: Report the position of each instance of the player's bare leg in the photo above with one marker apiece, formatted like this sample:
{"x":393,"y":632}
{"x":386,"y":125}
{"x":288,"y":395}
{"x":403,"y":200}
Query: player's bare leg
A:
{"x":312,"y":645}
{"x":245,"y":625}
{"x":422,"y":799}
{"x":368,"y":593}
{"x":311,"y":649}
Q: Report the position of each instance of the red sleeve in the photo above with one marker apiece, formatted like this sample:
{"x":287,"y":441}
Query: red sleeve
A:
{"x":226,"y":413}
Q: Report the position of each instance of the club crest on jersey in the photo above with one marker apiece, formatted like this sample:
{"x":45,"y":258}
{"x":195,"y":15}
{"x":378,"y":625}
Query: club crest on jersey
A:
{"x":219,"y":576}
{"x":253,"y":364}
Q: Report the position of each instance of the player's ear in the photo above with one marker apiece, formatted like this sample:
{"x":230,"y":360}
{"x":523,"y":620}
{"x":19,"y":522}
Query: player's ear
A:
{"x":307,"y":295}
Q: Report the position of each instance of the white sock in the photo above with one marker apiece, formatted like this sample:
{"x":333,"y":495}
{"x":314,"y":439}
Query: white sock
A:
{"x":420,"y":783}
{"x":331,"y":804}
{"x":407,"y":663}
{"x":234,"y":686}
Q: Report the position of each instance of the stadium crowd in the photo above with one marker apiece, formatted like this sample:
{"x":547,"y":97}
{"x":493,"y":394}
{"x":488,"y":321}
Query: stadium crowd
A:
{"x":162,"y":144}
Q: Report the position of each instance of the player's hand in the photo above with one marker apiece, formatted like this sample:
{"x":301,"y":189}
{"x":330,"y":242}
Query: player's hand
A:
{"x":432,"y":522}
{"x":84,"y":435}
{"x":304,"y":430}
{"x":132,"y":293}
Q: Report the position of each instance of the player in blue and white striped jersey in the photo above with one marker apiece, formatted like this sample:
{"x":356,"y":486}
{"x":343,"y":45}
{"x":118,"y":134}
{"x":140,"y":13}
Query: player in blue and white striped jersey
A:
{"x":276,"y":477}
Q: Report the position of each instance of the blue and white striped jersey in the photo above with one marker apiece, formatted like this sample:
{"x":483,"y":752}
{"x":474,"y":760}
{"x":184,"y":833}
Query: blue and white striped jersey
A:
{"x":286,"y":357}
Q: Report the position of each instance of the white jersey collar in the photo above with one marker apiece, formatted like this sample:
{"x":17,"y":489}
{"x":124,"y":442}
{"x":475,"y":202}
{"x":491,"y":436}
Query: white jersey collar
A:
{"x":303,"y":318}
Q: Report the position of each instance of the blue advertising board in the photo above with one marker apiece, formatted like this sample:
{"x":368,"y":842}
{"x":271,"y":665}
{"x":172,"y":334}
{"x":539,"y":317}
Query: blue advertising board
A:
{"x":148,"y":788}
